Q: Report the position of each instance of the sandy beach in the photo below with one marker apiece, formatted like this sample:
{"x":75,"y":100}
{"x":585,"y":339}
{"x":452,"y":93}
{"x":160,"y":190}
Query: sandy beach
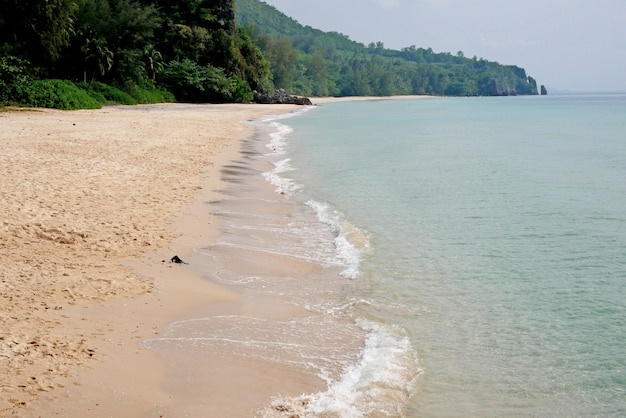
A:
{"x":94,"y":205}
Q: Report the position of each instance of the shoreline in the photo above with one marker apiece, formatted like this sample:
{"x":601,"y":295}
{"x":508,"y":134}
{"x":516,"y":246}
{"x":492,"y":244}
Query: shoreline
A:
{"x":97,"y":203}
{"x":90,"y":210}
{"x":329,"y":99}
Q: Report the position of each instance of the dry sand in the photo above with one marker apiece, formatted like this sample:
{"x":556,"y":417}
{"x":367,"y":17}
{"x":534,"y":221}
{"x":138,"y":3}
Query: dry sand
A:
{"x":93,"y":206}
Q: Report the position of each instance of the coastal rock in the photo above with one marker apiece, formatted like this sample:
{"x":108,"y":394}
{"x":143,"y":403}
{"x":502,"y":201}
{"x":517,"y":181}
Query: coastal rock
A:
{"x":280,"y":97}
{"x":177,"y":260}
{"x":496,"y":88}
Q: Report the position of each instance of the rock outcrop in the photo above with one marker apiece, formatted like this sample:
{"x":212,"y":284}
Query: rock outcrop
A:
{"x":280,"y":97}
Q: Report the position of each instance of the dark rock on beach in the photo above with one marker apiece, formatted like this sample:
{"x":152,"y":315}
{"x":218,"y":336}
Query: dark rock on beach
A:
{"x":280,"y":97}
{"x":177,"y":260}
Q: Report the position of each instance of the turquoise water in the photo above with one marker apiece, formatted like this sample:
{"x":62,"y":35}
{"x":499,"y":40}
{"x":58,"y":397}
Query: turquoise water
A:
{"x":492,"y":231}
{"x":448,"y":257}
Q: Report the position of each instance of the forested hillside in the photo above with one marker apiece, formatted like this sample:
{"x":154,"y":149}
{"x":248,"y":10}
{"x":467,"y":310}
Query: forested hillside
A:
{"x":144,"y":49}
{"x":308,"y":61}
{"x":82,"y":53}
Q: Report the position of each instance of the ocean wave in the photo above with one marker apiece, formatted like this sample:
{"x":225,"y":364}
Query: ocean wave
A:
{"x":350,"y":242}
{"x":283,"y":184}
{"x":379,"y":383}
{"x":278,"y":138}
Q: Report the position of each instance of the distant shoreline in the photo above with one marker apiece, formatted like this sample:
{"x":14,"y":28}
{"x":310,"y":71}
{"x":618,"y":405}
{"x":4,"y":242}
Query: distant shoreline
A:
{"x":321,"y":100}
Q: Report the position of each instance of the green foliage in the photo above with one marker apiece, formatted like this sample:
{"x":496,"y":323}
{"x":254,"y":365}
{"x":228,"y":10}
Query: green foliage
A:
{"x":135,"y":94}
{"x":191,"y":82}
{"x":97,"y":95}
{"x":196,"y":49}
{"x":111,"y":41}
{"x":308,"y":61}
{"x":98,"y":57}
{"x":194,"y":83}
{"x":147,"y":95}
{"x":37,"y":30}
{"x":13,"y":78}
{"x":57,"y":94}
{"x":126,"y":43}
{"x":106,"y":94}
{"x":254,"y":67}
{"x":153,"y":60}
{"x":239,"y":91}
{"x":282,"y":58}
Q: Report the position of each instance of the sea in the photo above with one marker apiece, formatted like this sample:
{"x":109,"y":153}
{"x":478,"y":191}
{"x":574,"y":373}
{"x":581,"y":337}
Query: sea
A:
{"x":470,"y":253}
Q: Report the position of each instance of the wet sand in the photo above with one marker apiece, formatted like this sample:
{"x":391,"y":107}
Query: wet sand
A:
{"x":94,"y":204}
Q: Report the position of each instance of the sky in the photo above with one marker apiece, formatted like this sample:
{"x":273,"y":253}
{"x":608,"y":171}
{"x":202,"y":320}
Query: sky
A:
{"x":577,"y":45}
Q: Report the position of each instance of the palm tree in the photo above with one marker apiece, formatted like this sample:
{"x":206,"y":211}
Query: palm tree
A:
{"x":154,"y":61}
{"x":98,"y":55}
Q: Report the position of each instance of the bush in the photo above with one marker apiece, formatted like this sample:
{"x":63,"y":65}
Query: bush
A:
{"x":93,"y":93}
{"x":134,"y":94}
{"x":240,"y":91}
{"x":13,"y":77}
{"x":150,"y":95}
{"x":18,"y":88}
{"x":191,"y":82}
{"x":56,"y":94}
{"x":113,"y":94}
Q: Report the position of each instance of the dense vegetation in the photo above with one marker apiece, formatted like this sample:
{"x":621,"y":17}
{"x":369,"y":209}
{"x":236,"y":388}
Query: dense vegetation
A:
{"x":129,"y":50}
{"x":311,"y":62}
{"x":82,"y":53}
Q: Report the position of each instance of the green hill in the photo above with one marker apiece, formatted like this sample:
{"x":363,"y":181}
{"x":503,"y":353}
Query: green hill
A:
{"x":75,"y":54}
{"x":308,"y":61}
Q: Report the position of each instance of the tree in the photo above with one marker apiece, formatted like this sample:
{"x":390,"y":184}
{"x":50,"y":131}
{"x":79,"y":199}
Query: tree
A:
{"x":317,"y":72}
{"x":37,"y":30}
{"x":191,"y":82}
{"x":153,"y":61}
{"x":353,"y":68}
{"x":98,"y":57}
{"x":13,"y":76}
{"x":253,"y":66}
{"x":282,"y":58}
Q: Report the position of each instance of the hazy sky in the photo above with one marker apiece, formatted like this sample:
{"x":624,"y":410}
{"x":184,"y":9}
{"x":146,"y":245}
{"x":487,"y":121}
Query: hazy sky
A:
{"x":565,"y":44}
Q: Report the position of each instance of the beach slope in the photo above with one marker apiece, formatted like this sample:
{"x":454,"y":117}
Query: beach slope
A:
{"x":94,"y":204}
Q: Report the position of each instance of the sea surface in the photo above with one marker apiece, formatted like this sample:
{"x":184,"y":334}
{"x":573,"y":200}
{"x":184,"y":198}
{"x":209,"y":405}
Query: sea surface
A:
{"x":472,"y":254}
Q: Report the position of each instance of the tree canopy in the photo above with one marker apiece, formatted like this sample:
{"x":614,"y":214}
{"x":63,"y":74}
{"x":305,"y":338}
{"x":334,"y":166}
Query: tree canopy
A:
{"x":191,"y":47}
{"x":216,"y":51}
{"x":311,"y":62}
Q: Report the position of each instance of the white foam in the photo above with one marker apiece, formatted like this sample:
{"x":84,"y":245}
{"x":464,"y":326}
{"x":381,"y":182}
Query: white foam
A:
{"x":278,"y":145}
{"x":277,"y":142}
{"x":277,"y":139}
{"x":378,"y":384}
{"x":283,"y":166}
{"x":274,"y":177}
{"x":350,"y":241}
{"x":302,"y":110}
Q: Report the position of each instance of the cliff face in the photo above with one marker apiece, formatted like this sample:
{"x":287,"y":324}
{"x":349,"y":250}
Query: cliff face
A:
{"x":506,"y":87}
